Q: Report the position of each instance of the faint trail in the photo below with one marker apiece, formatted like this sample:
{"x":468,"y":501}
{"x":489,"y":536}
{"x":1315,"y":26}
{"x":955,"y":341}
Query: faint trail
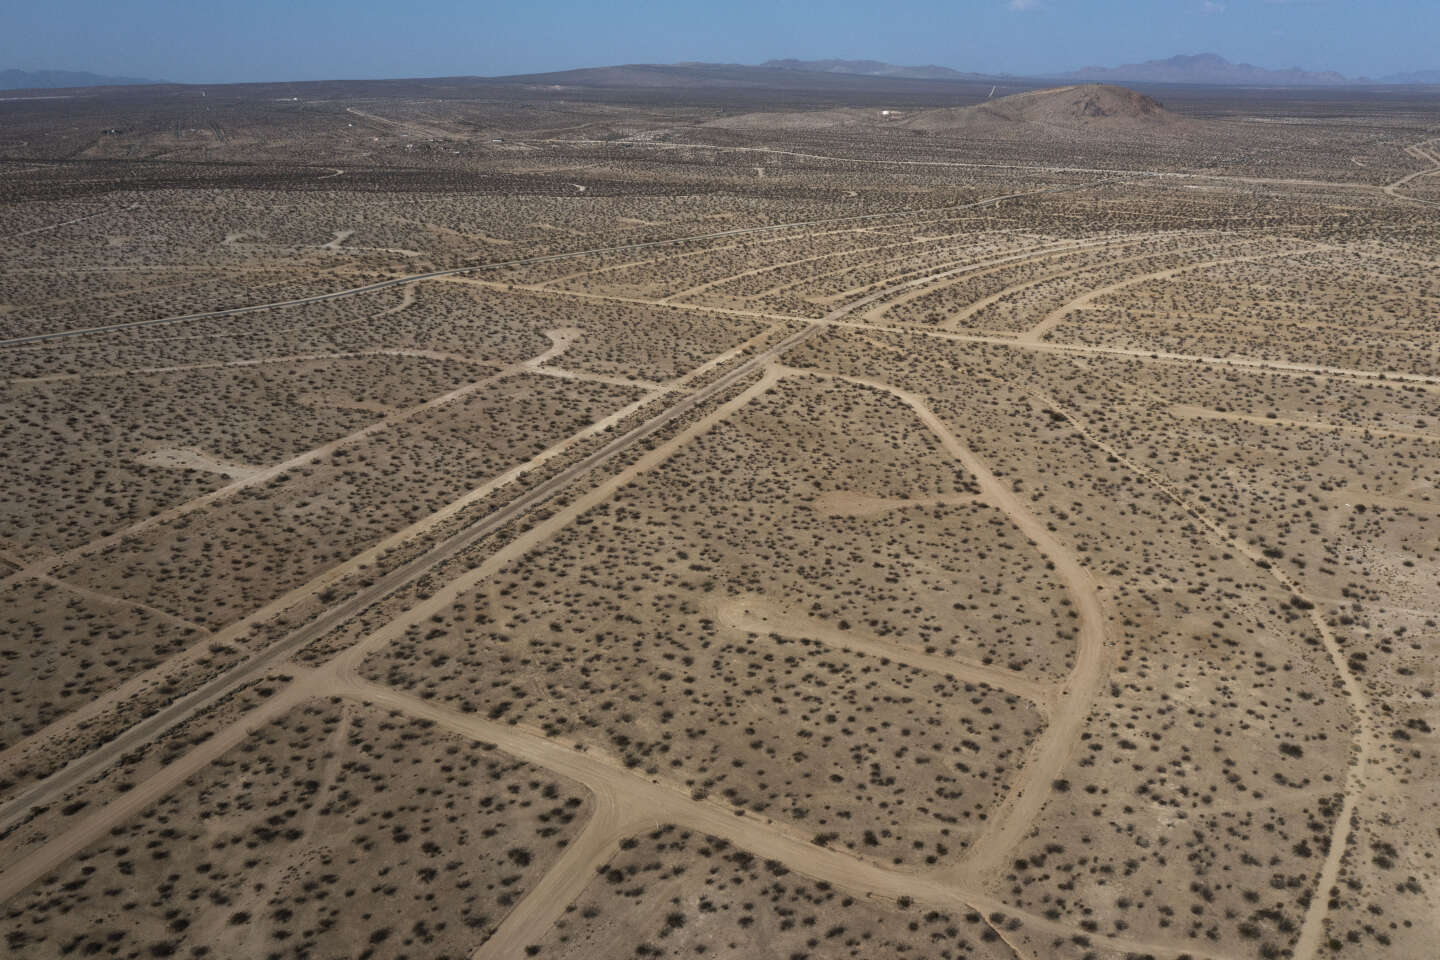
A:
{"x":1205,"y":413}
{"x":64,"y":223}
{"x":1420,"y":152}
{"x":267,"y":474}
{"x":113,"y":601}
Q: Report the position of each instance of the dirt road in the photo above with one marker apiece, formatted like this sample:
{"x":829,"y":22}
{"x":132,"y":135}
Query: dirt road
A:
{"x":1364,"y":735}
{"x":1420,"y":151}
{"x":81,"y":770}
{"x":1016,"y":816}
{"x":755,"y":614}
{"x":547,"y":258}
{"x":1057,"y":316}
{"x":643,"y":803}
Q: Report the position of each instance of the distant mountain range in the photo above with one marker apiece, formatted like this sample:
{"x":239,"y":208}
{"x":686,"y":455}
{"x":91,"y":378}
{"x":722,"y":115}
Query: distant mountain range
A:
{"x":1209,"y":69}
{"x":1206,"y":68}
{"x":871,"y":68}
{"x":1417,"y":76}
{"x":53,"y":79}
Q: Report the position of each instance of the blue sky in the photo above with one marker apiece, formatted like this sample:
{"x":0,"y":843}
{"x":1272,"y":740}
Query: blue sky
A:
{"x":202,"y":41}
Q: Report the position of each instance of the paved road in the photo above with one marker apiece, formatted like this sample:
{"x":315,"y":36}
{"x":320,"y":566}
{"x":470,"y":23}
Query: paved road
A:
{"x":76,"y":773}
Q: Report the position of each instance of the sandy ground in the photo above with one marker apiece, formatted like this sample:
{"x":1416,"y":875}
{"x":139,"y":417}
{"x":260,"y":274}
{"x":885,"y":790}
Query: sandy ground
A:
{"x":626,"y":799}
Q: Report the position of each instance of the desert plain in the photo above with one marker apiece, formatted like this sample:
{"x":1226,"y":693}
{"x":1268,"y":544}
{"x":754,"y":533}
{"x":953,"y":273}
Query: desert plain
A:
{"x":601,"y":519}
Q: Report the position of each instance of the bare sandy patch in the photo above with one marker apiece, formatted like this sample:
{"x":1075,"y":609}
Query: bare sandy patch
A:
{"x":193,"y":458}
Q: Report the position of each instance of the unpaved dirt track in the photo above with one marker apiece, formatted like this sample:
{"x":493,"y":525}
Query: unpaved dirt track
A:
{"x":1061,"y":313}
{"x":754,"y":614}
{"x":546,"y":258}
{"x":560,"y":342}
{"x":615,"y":818}
{"x":1419,"y":151}
{"x":647,"y":802}
{"x":972,"y":261}
{"x":1016,"y":815}
{"x":1024,"y":258}
{"x":82,"y":769}
{"x":1364,"y":735}
{"x":954,"y":321}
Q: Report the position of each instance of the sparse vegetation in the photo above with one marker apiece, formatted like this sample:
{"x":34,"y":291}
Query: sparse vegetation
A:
{"x":961,"y":576}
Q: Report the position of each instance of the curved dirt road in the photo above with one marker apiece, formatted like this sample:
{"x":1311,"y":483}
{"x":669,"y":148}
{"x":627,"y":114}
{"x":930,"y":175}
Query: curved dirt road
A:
{"x":79,"y":771}
{"x":647,"y":802}
{"x":1365,"y":736}
{"x":954,"y":321}
{"x":1015,"y":817}
{"x":546,"y":258}
{"x":1420,"y":152}
{"x":1057,"y":316}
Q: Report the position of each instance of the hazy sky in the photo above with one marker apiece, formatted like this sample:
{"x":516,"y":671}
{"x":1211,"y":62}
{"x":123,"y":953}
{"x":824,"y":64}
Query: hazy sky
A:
{"x":204,"y":41}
